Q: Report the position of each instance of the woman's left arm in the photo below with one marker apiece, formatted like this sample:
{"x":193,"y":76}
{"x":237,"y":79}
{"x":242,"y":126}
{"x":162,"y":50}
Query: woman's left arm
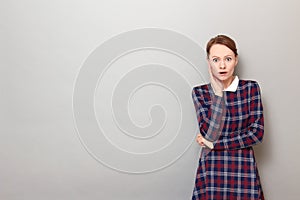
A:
{"x":254,"y":133}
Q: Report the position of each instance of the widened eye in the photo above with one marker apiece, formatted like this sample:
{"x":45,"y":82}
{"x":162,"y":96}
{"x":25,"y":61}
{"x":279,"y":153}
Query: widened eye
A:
{"x":228,"y":59}
{"x":215,"y":60}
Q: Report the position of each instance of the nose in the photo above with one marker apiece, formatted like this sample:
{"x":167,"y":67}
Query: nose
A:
{"x":222,"y":64}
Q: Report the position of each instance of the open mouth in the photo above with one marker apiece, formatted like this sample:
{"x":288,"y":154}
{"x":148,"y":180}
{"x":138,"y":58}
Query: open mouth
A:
{"x":222,"y":73}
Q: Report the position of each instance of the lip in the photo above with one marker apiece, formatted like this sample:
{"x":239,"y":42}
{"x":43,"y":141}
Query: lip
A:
{"x":223,"y":73}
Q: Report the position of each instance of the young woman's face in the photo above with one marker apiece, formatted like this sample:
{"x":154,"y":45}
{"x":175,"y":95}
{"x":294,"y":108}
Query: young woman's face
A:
{"x":222,"y":62}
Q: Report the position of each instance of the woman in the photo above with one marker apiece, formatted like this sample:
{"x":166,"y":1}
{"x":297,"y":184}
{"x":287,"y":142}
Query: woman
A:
{"x":230,"y":118}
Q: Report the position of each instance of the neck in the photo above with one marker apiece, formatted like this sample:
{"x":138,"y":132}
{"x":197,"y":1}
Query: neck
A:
{"x":227,"y":82}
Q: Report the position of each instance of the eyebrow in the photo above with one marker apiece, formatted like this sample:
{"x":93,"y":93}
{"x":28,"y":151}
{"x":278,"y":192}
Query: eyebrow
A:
{"x":224,"y":56}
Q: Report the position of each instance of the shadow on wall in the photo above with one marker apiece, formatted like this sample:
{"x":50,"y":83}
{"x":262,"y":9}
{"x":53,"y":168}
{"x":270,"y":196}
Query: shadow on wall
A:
{"x":263,"y":152}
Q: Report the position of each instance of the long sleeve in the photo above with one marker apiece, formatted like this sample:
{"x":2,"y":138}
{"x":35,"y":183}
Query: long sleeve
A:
{"x":210,"y":110}
{"x":253,"y":133}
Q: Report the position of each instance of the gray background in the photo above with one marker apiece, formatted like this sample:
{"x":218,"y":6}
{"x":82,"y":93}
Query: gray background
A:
{"x":43,"y":44}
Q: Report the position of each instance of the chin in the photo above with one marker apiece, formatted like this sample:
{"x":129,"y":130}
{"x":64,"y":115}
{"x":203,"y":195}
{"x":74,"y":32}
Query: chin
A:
{"x":225,"y":79}
{"x":222,"y":78}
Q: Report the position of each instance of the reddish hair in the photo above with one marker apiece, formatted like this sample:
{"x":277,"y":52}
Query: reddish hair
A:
{"x":223,"y":40}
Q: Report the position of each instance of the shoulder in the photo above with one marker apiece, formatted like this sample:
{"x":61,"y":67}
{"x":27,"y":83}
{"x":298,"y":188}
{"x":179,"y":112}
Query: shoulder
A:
{"x":243,"y":84}
{"x":249,"y":86}
{"x":200,"y":89}
{"x":202,"y":92}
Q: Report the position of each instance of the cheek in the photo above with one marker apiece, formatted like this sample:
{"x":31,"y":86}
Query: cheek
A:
{"x":232,"y":68}
{"x":214,"y":69}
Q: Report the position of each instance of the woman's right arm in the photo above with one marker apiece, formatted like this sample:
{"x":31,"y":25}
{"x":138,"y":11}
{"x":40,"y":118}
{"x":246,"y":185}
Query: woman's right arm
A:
{"x":210,"y":110}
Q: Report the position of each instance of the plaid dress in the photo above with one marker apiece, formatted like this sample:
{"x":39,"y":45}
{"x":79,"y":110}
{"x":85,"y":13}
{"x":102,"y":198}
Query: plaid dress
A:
{"x":234,"y":123}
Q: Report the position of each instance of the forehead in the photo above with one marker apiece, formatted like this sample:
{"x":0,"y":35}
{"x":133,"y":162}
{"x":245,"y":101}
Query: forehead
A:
{"x":220,"y":50}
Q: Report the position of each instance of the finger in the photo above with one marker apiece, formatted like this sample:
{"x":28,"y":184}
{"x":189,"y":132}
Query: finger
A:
{"x":209,"y":68}
{"x":199,"y":142}
{"x":210,"y":72}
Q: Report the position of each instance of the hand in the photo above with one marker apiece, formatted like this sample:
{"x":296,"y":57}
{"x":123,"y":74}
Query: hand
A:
{"x":200,"y":140}
{"x":216,"y":84}
{"x":203,"y":142}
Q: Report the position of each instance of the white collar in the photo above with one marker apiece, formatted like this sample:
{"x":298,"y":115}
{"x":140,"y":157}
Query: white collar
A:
{"x":233,"y":86}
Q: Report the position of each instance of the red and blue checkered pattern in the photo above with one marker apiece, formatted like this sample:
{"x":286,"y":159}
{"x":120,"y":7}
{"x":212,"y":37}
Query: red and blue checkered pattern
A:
{"x":234,"y":123}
